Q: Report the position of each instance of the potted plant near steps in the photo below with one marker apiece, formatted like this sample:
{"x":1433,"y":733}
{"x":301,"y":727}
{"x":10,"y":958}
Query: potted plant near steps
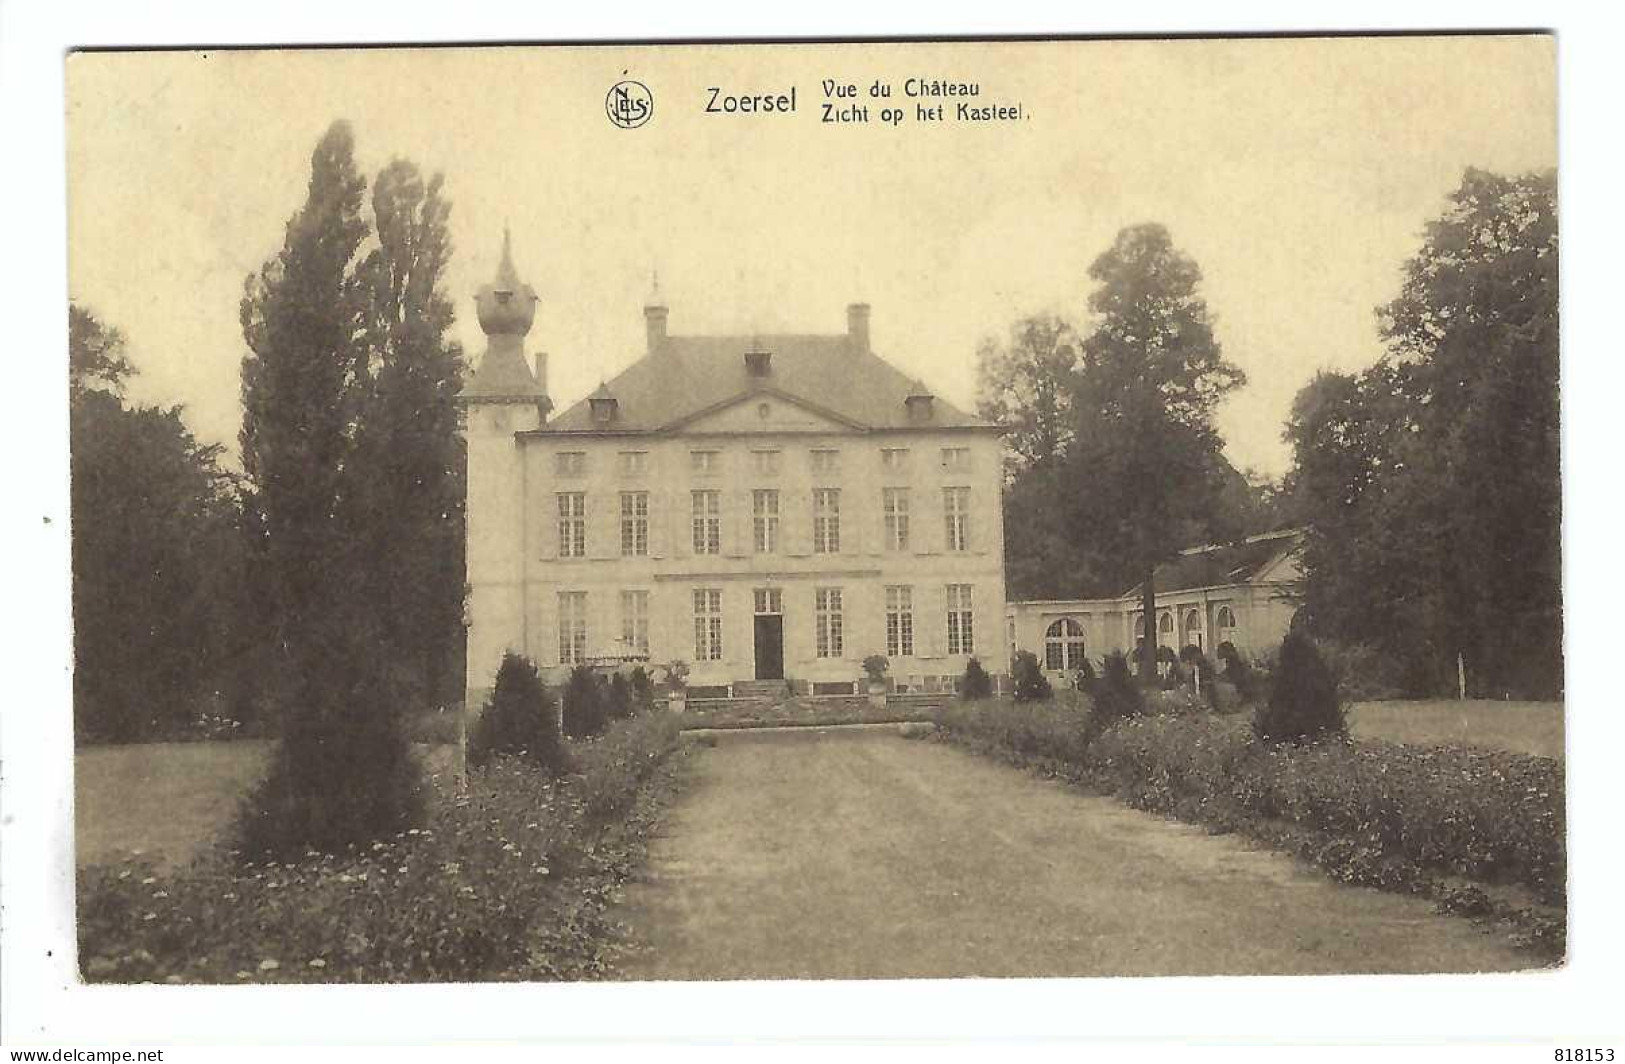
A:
{"x":677,"y":686}
{"x":875,"y":666}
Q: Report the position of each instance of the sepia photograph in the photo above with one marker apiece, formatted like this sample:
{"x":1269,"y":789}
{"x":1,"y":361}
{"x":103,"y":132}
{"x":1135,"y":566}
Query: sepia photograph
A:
{"x":875,"y":510}
{"x":706,"y":518}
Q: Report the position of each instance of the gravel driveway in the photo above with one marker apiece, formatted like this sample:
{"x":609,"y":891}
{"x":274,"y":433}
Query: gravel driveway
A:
{"x":859,"y":854}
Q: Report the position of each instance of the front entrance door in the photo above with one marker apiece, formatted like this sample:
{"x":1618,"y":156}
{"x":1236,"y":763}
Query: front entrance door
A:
{"x":769,"y":647}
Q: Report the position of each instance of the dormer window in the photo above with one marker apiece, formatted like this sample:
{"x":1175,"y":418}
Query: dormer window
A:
{"x":758,"y":363}
{"x":919,"y":402}
{"x":604,"y":406}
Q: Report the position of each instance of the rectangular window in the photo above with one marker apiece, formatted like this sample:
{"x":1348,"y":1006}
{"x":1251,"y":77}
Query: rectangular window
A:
{"x":961,"y":638}
{"x":708,"y":624}
{"x":634,"y":463}
{"x":572,"y":627}
{"x":825,"y":461}
{"x":634,"y":523}
{"x":955,"y":459}
{"x":827,"y":616}
{"x":704,"y":461}
{"x":635,"y":621}
{"x":570,"y":463}
{"x":764,"y":504}
{"x":899,"y":621}
{"x":765,"y":463}
{"x":894,"y":459}
{"x":827,"y":521}
{"x":707,"y":522}
{"x":956,"y":512}
{"x":894,"y":502}
{"x":572,"y":524}
{"x":769,"y":600}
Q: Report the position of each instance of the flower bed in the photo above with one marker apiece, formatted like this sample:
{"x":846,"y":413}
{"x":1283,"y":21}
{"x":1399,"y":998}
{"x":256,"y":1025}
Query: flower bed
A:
{"x":508,"y":881}
{"x":1480,"y":831}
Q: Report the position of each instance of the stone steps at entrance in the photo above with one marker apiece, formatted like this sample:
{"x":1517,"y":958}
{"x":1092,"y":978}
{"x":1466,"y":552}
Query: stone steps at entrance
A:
{"x":759,"y":689}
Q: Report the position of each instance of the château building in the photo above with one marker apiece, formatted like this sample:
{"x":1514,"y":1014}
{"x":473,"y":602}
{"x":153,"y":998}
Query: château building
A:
{"x":760,"y":507}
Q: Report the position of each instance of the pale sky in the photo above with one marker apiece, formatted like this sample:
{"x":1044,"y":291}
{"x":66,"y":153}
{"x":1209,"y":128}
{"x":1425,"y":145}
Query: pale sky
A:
{"x":1298,"y":173}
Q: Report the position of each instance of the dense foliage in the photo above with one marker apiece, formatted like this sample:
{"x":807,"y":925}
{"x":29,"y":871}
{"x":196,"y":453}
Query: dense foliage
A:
{"x":1116,"y":695}
{"x":1303,"y":703}
{"x":586,"y":704}
{"x":520,"y":719}
{"x":1431,"y":481}
{"x":1031,"y":685}
{"x":157,"y":558}
{"x":976,"y":684}
{"x":508,"y":881}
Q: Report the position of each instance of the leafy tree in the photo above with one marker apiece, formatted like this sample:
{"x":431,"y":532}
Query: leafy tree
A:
{"x":344,"y":770}
{"x":97,"y":360}
{"x":1145,"y":461}
{"x":1026,"y":384}
{"x":1476,"y":322}
{"x":1432,"y":480}
{"x":155,"y":553}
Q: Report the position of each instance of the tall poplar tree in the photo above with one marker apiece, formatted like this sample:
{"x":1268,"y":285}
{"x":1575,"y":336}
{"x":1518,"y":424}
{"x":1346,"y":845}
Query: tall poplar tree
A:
{"x":1145,"y":458}
{"x":344,"y":770}
{"x":409,"y":464}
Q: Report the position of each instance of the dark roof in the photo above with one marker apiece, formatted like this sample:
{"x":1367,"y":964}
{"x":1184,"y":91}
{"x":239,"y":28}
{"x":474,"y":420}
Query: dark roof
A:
{"x":691,"y":375}
{"x":1217,"y":566}
{"x":502,"y":374}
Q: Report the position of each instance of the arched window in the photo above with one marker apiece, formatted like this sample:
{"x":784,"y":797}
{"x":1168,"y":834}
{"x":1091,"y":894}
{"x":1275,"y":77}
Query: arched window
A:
{"x":1193,"y":629}
{"x":1224,"y":618}
{"x":1165,"y":629}
{"x":1063,"y":646}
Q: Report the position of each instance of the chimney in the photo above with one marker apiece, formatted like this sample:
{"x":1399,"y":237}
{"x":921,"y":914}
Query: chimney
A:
{"x":857,"y":325}
{"x":654,"y":323}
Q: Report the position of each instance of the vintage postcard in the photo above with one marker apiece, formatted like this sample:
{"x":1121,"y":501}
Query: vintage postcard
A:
{"x":872,"y":510}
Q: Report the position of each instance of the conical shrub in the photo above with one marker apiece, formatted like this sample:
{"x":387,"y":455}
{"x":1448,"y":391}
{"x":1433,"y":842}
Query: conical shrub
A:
{"x":519,"y":719}
{"x":1303,"y":705}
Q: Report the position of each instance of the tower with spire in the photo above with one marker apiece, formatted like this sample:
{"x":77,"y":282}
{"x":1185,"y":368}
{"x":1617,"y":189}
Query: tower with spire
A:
{"x":503,"y":397}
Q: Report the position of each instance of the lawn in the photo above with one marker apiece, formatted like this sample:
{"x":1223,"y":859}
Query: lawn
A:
{"x":166,"y":800}
{"x":506,"y":878}
{"x":1520,"y":727}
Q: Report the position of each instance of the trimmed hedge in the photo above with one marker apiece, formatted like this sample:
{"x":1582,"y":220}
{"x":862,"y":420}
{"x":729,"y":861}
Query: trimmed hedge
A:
{"x":507,"y":881}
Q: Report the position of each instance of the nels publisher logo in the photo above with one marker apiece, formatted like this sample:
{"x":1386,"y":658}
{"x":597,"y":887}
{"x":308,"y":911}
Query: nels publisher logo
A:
{"x":629,"y":104}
